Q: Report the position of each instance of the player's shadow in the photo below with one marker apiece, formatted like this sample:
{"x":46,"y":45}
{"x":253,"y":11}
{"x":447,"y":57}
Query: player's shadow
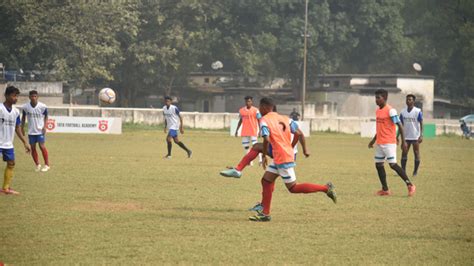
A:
{"x":188,"y":213}
{"x":219,"y":210}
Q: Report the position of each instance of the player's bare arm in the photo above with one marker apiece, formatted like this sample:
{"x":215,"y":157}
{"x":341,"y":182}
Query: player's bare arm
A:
{"x":23,"y":121}
{"x":238,"y":126}
{"x":372,"y":142}
{"x":264,"y":152}
{"x":400,"y":129}
{"x":420,"y":139}
{"x":45,"y":123}
{"x":20,"y":135}
{"x":181,"y":130}
{"x":166,"y":125}
{"x":299,"y":136}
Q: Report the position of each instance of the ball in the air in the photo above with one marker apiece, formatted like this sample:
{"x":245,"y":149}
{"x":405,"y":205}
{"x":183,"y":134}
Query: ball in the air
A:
{"x":107,"y":95}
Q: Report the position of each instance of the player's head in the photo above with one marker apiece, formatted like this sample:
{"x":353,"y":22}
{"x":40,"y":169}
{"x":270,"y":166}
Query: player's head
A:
{"x":248,"y":101}
{"x":381,"y":96}
{"x":411,"y":100}
{"x":33,"y":96}
{"x":11,"y":94}
{"x":168,"y":100}
{"x":266,"y":105}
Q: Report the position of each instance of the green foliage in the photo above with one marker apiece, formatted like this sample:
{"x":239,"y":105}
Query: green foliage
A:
{"x":150,"y":47}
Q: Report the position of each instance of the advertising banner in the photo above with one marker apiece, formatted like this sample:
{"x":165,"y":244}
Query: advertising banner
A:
{"x":73,"y":124}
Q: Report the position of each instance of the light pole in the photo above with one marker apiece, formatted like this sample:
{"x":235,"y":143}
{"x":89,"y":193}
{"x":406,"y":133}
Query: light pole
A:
{"x":303,"y":94}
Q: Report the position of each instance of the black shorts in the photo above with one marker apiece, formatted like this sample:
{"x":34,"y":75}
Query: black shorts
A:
{"x":412,"y":141}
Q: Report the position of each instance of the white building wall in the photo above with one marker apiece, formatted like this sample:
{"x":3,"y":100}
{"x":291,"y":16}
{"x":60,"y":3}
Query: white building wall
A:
{"x":419,"y":87}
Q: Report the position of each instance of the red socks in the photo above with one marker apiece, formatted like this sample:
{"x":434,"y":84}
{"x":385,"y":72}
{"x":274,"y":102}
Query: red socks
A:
{"x":44,"y":151}
{"x":267,"y":191}
{"x":34,"y":154}
{"x":250,"y":156}
{"x":308,"y":188}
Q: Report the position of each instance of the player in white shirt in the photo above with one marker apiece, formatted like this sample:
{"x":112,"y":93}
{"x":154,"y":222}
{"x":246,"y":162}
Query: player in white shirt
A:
{"x":9,"y":125}
{"x":37,"y":114}
{"x":173,"y":123}
{"x":412,"y":120}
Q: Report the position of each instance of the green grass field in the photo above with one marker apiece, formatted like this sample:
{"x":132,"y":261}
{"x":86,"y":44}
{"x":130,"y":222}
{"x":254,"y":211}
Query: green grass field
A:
{"x":113,"y":199}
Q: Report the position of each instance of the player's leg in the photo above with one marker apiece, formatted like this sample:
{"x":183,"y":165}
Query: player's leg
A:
{"x":416,"y":151}
{"x":246,"y":144}
{"x":254,"y":141}
{"x":256,"y":149}
{"x":44,"y":152}
{"x":268,"y":186}
{"x":169,"y":145}
{"x":9,"y":157}
{"x":405,"y":156}
{"x":289,"y":178}
{"x":391,"y":152}
{"x":236,"y":172}
{"x":34,"y":153}
{"x":379,"y":165}
{"x":181,"y":144}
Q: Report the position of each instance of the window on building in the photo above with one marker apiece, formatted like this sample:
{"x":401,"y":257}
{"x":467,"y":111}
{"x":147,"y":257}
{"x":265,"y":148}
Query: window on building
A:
{"x":206,"y":80}
{"x":336,"y":83}
{"x":205,"y":107}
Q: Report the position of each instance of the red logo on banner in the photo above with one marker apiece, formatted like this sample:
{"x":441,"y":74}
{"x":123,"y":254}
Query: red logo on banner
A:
{"x":50,"y":124}
{"x":103,"y":125}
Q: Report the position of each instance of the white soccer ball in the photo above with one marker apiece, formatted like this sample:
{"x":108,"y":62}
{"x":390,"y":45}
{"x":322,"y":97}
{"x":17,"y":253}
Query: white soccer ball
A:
{"x":107,"y":95}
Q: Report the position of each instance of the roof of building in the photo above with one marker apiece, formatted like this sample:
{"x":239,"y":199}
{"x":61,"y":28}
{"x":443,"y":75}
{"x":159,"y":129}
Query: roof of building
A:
{"x":375,"y":76}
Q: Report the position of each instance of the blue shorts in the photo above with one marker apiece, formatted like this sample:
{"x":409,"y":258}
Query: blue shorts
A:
{"x":412,"y":141}
{"x":8,"y":154}
{"x":173,"y":133}
{"x":36,"y":139}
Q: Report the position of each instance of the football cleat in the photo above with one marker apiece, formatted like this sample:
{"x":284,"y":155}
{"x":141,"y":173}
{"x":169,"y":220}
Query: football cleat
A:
{"x":383,"y":193}
{"x":257,"y":208}
{"x":231,"y":173}
{"x":45,"y":168}
{"x":331,"y":192}
{"x":411,"y":190}
{"x":9,"y":191}
{"x":260,"y":217}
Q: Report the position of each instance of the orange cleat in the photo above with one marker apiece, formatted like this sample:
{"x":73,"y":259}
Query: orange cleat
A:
{"x":383,"y":193}
{"x":9,"y":191}
{"x":411,"y":190}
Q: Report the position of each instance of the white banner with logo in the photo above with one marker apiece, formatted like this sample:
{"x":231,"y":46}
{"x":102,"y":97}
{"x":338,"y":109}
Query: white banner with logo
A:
{"x":73,"y":124}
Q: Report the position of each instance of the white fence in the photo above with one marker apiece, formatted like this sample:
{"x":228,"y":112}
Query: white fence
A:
{"x":351,"y":125}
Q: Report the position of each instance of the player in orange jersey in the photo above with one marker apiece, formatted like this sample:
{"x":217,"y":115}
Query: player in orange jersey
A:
{"x":386,"y":143}
{"x":276,"y":130}
{"x":249,"y":116}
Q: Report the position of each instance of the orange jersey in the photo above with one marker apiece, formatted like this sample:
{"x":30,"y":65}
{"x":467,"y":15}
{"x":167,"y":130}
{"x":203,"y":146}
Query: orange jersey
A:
{"x":250,"y":119}
{"x":386,"y":129}
{"x":278,"y":128}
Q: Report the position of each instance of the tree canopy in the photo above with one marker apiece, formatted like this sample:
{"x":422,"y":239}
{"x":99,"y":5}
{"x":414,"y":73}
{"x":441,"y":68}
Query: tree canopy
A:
{"x":149,"y":47}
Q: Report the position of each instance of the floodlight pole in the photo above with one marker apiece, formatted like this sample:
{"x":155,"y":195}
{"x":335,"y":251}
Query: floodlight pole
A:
{"x":303,"y":94}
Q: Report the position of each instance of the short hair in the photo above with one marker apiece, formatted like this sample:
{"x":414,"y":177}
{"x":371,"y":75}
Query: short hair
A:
{"x":267,"y":101}
{"x":248,"y":98}
{"x":411,"y":95}
{"x":168,"y":98}
{"x":33,"y":92}
{"x":11,"y":90}
{"x":382,"y":92}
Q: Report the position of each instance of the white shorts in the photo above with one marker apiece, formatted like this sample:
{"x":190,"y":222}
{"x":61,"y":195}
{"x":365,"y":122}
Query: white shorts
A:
{"x":248,"y":141}
{"x":287,"y":174}
{"x":386,"y":151}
